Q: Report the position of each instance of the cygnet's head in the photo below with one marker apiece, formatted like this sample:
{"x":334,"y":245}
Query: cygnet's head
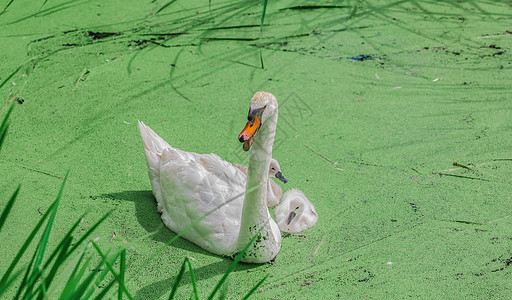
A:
{"x":263,"y":106}
{"x":295,"y":213}
{"x":275,"y":171}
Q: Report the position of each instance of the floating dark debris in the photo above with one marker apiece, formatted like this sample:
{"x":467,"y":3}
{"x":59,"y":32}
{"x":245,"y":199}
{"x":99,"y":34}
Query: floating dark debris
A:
{"x":100,"y":35}
{"x":361,"y":57}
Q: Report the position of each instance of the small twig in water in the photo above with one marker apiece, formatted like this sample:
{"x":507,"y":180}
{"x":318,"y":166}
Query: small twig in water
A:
{"x":317,"y":153}
{"x":461,"y":166}
{"x":460,"y":176}
{"x":82,"y":76}
{"x":318,"y":247}
{"x":9,"y":100}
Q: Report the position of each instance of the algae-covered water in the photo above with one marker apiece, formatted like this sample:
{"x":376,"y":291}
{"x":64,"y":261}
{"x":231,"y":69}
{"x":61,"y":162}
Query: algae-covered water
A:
{"x":395,"y":120}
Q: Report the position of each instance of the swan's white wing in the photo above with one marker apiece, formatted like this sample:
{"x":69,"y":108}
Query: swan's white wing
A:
{"x":222,"y":169}
{"x":193,"y":185}
{"x":242,"y":168}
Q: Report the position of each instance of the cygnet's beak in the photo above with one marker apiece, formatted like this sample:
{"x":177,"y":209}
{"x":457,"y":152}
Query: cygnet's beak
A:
{"x":280,"y":176}
{"x":291,"y":216}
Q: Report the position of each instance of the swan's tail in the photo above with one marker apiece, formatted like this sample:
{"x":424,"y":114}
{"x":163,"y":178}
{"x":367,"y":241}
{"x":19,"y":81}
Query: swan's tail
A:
{"x":152,"y":142}
{"x":153,"y":146}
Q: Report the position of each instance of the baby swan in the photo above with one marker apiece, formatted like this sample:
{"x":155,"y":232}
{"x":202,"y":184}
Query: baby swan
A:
{"x":295,"y":213}
{"x":274,"y":191}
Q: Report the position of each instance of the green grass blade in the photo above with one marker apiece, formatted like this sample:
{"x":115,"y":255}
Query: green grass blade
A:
{"x":49,"y":225}
{"x":70,"y":232}
{"x":43,"y":5}
{"x":261,"y":60}
{"x":3,"y":135}
{"x":178,"y":279}
{"x":263,"y":15}
{"x":12,"y":74}
{"x":58,"y":263}
{"x":261,"y":29}
{"x":37,"y":268}
{"x":63,"y":276}
{"x":122,"y":269}
{"x":111,"y":269}
{"x":9,"y":282}
{"x":8,"y":207}
{"x":255,"y":287}
{"x":25,"y":246}
{"x":223,"y":291}
{"x":86,"y":283}
{"x":75,"y":276}
{"x":5,"y":125}
{"x":102,"y":276}
{"x":106,"y":260}
{"x":105,"y":290}
{"x":233,"y":265}
{"x":192,"y":279}
{"x":8,"y":4}
{"x":88,"y":294}
{"x":89,"y":232}
{"x":122,"y":254}
{"x":62,"y":250}
{"x":77,"y":244}
{"x":165,"y":6}
{"x":9,"y":111}
{"x":44,"y":292}
{"x":6,"y":118}
{"x":23,"y":284}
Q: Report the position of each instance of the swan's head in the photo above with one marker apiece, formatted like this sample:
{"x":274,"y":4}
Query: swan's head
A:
{"x":263,"y":106}
{"x":275,"y":171}
{"x":295,"y":213}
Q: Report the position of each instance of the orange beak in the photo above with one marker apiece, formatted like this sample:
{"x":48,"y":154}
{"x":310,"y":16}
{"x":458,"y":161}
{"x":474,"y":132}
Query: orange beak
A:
{"x":249,"y":132}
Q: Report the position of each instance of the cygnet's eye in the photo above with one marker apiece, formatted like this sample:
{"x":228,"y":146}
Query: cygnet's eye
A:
{"x":297,"y":207}
{"x":273,"y":168}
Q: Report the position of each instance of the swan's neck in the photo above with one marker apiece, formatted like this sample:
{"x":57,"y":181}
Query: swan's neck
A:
{"x":255,"y":213}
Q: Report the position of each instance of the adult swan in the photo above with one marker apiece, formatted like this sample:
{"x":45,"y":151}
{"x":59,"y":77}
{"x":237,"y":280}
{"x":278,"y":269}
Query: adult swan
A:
{"x":188,"y":186}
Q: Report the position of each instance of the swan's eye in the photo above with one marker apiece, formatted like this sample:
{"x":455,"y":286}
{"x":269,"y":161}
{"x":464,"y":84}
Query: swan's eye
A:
{"x":297,"y":207}
{"x":273,"y":168}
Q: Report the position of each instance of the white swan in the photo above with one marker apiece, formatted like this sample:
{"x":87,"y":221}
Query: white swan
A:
{"x":295,"y":213}
{"x":274,"y":191}
{"x":188,"y":185}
